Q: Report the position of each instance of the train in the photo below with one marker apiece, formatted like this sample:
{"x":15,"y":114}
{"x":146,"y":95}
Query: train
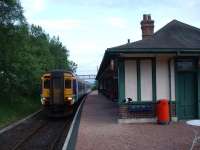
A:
{"x":61,"y":91}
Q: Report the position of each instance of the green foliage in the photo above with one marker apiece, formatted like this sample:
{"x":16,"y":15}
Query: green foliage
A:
{"x":11,"y":13}
{"x":26,"y":52}
{"x":11,"y":111}
{"x":59,"y":53}
{"x":72,"y":66}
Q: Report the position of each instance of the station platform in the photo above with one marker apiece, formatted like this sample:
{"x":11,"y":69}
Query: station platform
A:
{"x":99,"y":130}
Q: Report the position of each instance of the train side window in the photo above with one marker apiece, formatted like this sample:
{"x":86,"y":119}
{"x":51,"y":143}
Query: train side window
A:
{"x":74,"y":86}
{"x":46,"y":84}
{"x":68,"y":84}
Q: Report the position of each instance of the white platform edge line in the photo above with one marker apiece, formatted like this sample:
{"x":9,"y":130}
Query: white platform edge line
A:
{"x":138,"y":120}
{"x":19,"y":122}
{"x":72,"y":126}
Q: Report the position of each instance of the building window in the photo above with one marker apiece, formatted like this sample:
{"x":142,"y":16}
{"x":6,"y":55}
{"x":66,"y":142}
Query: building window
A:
{"x":185,"y":65}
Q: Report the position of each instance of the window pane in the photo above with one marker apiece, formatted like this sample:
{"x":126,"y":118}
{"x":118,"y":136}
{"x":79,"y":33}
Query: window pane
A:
{"x":185,"y":65}
{"x":74,"y":86}
{"x":46,"y":84}
{"x":67,"y":84}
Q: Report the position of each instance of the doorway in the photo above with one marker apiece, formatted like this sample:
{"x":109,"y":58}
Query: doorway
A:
{"x":186,"y":88}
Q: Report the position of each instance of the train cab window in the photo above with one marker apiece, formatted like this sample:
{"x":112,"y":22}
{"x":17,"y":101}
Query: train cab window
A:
{"x":46,"y":84}
{"x":68,"y":84}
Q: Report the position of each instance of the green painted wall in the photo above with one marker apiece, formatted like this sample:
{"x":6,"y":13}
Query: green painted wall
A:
{"x":138,"y":81}
{"x":121,"y":81}
{"x":198,"y":86}
{"x":154,"y":79}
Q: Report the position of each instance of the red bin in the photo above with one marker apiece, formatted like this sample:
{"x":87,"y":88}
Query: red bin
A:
{"x":162,"y":111}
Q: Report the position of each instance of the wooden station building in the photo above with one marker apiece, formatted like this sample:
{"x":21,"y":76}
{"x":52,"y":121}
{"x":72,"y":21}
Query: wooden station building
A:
{"x":163,"y":65}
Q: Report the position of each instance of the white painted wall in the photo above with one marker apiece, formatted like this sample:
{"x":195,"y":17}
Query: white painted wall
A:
{"x":131,"y":79}
{"x":172,"y":80}
{"x":146,"y":80}
{"x":162,"y":78}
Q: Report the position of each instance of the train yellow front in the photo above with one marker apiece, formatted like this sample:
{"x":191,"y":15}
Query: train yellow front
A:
{"x":60,"y":92}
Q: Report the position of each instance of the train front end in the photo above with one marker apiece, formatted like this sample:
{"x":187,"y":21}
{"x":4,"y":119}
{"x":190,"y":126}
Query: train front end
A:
{"x":58,"y":93}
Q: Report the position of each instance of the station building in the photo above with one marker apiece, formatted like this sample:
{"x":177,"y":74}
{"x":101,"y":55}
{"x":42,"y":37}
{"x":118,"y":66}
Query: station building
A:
{"x":163,"y":65}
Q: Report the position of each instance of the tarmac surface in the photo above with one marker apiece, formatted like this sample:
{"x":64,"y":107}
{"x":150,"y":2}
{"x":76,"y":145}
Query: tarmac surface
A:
{"x":99,"y":130}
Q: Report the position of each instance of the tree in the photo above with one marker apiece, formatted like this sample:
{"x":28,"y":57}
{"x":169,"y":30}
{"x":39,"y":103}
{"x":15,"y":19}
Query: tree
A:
{"x":11,"y":13}
{"x":60,"y":54}
{"x":72,"y":66}
{"x":26,"y":52}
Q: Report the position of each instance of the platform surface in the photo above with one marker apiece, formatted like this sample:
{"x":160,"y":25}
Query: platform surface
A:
{"x":99,"y":130}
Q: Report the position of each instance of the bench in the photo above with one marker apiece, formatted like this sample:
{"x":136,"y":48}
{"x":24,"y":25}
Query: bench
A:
{"x":137,"y":108}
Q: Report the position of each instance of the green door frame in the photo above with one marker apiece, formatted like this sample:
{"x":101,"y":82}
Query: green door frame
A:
{"x":198,"y":85}
{"x":121,"y":81}
{"x":176,"y":84}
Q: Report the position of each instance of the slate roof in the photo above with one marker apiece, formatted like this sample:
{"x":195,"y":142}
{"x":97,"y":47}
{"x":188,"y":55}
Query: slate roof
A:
{"x":174,"y":35}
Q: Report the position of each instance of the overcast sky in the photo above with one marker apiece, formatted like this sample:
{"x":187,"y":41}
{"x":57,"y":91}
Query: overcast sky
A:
{"x":88,"y":27}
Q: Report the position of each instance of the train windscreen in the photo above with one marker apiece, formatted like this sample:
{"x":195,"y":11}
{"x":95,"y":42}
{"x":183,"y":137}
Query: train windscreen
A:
{"x":68,"y":84}
{"x":46,"y":84}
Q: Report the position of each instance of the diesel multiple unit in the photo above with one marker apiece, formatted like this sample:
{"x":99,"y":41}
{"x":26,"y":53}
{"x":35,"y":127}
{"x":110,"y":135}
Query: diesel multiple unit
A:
{"x":61,"y":90}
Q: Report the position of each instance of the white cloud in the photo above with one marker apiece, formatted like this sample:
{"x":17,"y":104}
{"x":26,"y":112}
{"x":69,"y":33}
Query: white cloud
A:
{"x":62,"y":24}
{"x":33,"y":7}
{"x":118,"y":22}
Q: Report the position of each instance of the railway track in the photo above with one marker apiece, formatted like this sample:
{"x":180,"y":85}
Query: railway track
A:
{"x":37,"y":133}
{"x":28,"y":137}
{"x":54,"y":129}
{"x":62,"y":133}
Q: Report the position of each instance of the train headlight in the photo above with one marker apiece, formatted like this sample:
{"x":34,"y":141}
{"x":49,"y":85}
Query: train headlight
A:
{"x":43,"y":100}
{"x":69,"y":98}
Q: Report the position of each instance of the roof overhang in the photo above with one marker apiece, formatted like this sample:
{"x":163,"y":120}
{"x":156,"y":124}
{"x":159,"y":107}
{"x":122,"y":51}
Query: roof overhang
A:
{"x":115,"y":53}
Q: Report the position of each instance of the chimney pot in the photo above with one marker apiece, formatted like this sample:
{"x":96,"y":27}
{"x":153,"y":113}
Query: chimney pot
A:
{"x":128,"y":41}
{"x":149,"y":17}
{"x":147,"y":26}
{"x":145,"y":17}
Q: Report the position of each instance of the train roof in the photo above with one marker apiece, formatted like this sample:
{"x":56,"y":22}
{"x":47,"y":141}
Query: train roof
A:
{"x":61,"y":71}
{"x":58,"y":71}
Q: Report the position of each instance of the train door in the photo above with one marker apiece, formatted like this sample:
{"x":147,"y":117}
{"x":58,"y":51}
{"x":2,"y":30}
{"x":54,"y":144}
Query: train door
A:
{"x":57,"y":89}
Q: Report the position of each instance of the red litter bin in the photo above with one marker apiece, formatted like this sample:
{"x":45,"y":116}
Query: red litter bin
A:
{"x":162,"y":111}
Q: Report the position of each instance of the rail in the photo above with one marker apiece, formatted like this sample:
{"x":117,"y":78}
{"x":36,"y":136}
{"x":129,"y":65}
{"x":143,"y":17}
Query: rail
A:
{"x":18,"y":145}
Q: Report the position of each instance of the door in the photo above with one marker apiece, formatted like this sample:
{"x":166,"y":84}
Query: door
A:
{"x":186,"y":89}
{"x":57,"y":90}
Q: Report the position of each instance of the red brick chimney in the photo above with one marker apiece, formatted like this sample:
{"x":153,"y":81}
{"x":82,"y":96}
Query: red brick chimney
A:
{"x":147,"y":26}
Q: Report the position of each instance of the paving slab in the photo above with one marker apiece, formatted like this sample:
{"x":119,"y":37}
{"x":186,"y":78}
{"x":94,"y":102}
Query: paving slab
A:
{"x":99,"y":130}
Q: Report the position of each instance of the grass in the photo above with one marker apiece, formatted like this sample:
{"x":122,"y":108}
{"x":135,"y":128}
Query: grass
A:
{"x":11,"y":111}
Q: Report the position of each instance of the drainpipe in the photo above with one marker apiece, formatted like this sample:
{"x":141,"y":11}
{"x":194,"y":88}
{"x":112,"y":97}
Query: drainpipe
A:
{"x":170,"y":97}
